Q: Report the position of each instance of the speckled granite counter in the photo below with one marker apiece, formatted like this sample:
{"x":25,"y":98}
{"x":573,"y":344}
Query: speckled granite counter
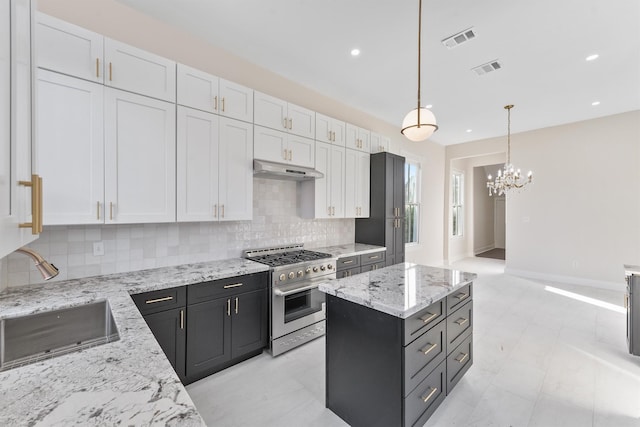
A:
{"x":127,"y":382}
{"x":351,"y":249}
{"x":400,"y":290}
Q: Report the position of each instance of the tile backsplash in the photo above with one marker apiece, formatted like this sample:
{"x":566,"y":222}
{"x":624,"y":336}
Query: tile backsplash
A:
{"x":133,"y":247}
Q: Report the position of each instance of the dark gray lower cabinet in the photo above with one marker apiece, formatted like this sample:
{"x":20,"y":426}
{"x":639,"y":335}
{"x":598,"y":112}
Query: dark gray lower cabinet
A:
{"x":168,"y":328}
{"x":348,"y":266}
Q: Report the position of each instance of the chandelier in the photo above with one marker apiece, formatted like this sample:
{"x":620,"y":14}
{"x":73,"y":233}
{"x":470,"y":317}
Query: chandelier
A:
{"x":420,"y":123}
{"x":508,"y":177}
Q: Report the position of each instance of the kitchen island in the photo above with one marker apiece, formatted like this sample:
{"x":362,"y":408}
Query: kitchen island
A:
{"x":398,"y":340}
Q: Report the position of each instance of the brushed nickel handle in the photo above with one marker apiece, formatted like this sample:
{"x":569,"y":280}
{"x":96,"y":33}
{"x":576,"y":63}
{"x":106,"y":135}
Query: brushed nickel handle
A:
{"x":222,"y":216}
{"x":431,"y":347}
{"x":110,"y":211}
{"x":235,"y":285}
{"x":110,"y":71}
{"x":461,"y":321}
{"x":98,"y":67}
{"x":215,"y":102}
{"x":215,"y":211}
{"x":463,"y":358}
{"x":290,"y":124}
{"x":236,"y":305}
{"x":181,"y":319}
{"x":461,"y":295}
{"x":285,"y":123}
{"x":290,"y":154}
{"x":374,"y":256}
{"x":228,"y":307}
{"x":223,"y":105}
{"x":98,"y":211}
{"x":626,"y":301}
{"x":333,"y":211}
{"x":153,"y":301}
{"x":430,"y":318}
{"x":285,"y":154}
{"x":430,"y":395}
{"x":348,"y":262}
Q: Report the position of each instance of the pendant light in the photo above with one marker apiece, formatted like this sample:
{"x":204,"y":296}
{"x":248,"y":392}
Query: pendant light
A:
{"x":420,"y":123}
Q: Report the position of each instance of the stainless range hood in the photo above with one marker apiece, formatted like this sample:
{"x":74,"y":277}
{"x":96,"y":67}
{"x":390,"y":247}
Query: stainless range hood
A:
{"x":273,"y":170}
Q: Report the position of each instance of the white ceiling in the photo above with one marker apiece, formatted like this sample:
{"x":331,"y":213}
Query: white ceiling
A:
{"x":541,"y":44}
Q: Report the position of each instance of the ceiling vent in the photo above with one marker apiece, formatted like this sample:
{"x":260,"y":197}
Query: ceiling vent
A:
{"x":459,"y":38}
{"x":488,"y":67}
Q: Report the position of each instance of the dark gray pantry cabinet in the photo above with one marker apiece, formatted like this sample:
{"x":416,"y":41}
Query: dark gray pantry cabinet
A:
{"x":209,"y":326}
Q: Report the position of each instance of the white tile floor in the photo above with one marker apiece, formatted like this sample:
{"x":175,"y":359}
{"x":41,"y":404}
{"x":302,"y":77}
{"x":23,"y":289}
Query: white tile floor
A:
{"x":540,"y":359}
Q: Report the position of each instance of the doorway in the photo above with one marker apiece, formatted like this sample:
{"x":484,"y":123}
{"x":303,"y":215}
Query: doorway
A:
{"x":489,"y":217}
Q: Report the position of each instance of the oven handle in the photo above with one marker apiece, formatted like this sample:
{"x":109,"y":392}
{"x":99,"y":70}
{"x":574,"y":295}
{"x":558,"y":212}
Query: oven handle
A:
{"x":282,"y":293}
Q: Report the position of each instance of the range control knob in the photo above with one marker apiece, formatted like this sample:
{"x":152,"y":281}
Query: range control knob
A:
{"x":283,"y":277}
{"x":315,"y":269}
{"x":292,"y":275}
{"x":330,"y":266}
{"x":308,"y":270}
{"x":323,"y":268}
{"x":300,"y":273}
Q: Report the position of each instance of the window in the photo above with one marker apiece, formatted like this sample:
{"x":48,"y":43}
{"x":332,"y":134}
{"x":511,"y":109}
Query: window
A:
{"x":412,"y":201}
{"x":457,"y":200}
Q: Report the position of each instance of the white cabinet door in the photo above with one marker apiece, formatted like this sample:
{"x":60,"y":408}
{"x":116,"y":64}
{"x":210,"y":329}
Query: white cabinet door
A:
{"x":320,"y":187}
{"x":197,"y":165}
{"x":270,"y":112}
{"x":197,"y":89}
{"x":351,"y":173}
{"x":357,"y":184}
{"x":138,"y":71}
{"x":69,"y":135}
{"x":323,"y":128}
{"x":339,"y":132}
{"x":302,"y":121}
{"x":140,"y":159}
{"x":301,"y":151}
{"x":358,"y":138}
{"x":69,"y":49}
{"x":363,"y":185}
{"x":235,"y":170}
{"x":379,"y":143}
{"x":337,"y":181}
{"x":270,"y":145}
{"x":6,"y":178}
{"x":236,"y":101}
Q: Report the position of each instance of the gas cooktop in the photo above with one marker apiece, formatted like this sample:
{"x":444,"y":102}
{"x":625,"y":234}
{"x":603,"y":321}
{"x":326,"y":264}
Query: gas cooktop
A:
{"x":289,"y":257}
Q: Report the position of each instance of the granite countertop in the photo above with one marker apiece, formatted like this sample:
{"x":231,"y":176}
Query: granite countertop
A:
{"x":126,"y":382}
{"x":399,"y":290}
{"x":351,"y":249}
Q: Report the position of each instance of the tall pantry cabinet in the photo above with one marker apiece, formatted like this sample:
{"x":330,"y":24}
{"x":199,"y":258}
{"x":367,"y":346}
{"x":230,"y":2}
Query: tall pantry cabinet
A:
{"x":386,"y":223}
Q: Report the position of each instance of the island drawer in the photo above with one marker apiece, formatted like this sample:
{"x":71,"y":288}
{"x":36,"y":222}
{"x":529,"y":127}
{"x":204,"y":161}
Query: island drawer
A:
{"x":162,"y":300}
{"x":341,"y":274}
{"x":348,"y":262}
{"x":426,"y":397}
{"x":423,"y":320}
{"x":371,"y":267}
{"x":373,"y":258}
{"x":207,"y":291}
{"x":459,"y":362}
{"x":459,"y":325}
{"x":423,"y":355}
{"x":458,"y":298}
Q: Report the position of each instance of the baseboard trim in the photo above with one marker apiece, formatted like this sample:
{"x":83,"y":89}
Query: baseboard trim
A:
{"x":572,"y":280}
{"x":483,"y":249}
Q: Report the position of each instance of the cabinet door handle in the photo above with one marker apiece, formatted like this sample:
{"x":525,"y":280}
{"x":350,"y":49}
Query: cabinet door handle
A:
{"x":111,"y":211}
{"x":430,"y":318}
{"x":215,"y":211}
{"x":36,"y":204}
{"x":223,"y":105}
{"x":236,"y":305}
{"x":229,"y":307}
{"x":461,"y":296}
{"x":110,"y":71}
{"x":348,"y":262}
{"x":463,"y":358}
{"x":153,"y":301}
{"x":98,"y":211}
{"x":222,"y":215}
{"x":98,"y":67}
{"x":215,"y":103}
{"x":285,"y":123}
{"x":461,"y":321}
{"x":430,"y":395}
{"x":290,"y":124}
{"x":290,"y":154}
{"x":181,"y":319}
{"x":426,"y":351}
{"x":235,"y":285}
{"x":333,"y":211}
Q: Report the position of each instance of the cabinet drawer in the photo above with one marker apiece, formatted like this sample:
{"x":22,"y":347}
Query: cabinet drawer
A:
{"x":156,"y":301}
{"x":458,"y":298}
{"x":426,"y":398}
{"x":424,"y":354}
{"x":458,"y":362}
{"x":348,"y":262}
{"x":423,"y":320}
{"x":341,"y":274}
{"x":206,"y":291}
{"x":374,"y":258}
{"x":459,"y":325}
{"x":370,"y":267}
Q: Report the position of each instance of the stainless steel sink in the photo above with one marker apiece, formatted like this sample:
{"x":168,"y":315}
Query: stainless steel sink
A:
{"x":39,"y":336}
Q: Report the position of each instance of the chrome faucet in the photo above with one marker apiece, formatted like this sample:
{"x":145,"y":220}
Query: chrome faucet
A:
{"x":47,"y":270}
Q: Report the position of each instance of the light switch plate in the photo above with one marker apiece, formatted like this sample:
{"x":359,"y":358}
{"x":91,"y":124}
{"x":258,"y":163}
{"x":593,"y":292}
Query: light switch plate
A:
{"x":98,"y":248}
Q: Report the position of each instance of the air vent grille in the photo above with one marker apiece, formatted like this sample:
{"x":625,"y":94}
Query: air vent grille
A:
{"x":487,"y":68}
{"x":459,"y":38}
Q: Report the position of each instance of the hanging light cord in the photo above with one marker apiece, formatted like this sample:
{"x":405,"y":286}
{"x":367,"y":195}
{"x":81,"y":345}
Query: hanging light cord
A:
{"x":508,"y":108}
{"x":419,"y":50}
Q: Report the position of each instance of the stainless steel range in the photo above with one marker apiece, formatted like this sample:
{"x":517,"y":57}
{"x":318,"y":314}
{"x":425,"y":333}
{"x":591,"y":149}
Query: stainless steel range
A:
{"x":297,"y":307}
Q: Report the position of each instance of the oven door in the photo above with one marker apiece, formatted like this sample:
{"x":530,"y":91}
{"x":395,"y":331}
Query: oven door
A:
{"x":296,"y":305}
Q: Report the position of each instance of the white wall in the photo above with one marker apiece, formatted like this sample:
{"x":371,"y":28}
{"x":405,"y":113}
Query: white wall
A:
{"x":580,"y":220}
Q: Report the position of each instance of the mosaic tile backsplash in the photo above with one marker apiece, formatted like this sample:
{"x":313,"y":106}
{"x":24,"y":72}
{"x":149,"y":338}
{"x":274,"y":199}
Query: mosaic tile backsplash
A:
{"x":141,"y":246}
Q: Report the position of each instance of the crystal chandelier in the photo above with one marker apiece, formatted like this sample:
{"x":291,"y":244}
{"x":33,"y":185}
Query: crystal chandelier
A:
{"x":508,"y":177}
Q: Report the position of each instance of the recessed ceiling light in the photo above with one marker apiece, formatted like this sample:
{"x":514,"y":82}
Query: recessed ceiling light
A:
{"x":594,"y":103}
{"x":428,"y":106}
{"x":355,"y":52}
{"x":592,"y":57}
{"x":469,"y":130}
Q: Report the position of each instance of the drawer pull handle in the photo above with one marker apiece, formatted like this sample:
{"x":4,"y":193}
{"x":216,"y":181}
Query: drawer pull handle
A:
{"x":461,"y":321}
{"x":228,"y":307}
{"x":236,"y":305}
{"x":463,"y":358}
{"x":461,"y":296}
{"x":181,"y":319}
{"x":235,"y":285}
{"x":374,"y":257}
{"x":429,"y":349}
{"x":430,"y":318}
{"x":348,"y":262}
{"x":430,"y":395}
{"x":153,"y":301}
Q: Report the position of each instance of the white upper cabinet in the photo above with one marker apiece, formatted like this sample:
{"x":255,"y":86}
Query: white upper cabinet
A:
{"x":19,"y":225}
{"x":206,"y":92}
{"x":215,"y":167}
{"x":280,"y":115}
{"x":330,"y":130}
{"x":357,"y":184}
{"x":69,"y":49}
{"x":324,"y":197}
{"x":281,"y":147}
{"x":140,"y":159}
{"x":379,"y":143}
{"x":136,"y":70}
{"x":70,"y":139}
{"x":358,"y":138}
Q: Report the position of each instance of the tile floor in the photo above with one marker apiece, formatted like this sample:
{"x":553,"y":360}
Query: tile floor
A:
{"x":541,"y":358}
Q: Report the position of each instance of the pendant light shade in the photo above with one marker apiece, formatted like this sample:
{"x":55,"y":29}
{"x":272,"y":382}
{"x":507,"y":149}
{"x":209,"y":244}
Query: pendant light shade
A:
{"x":420,"y":130}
